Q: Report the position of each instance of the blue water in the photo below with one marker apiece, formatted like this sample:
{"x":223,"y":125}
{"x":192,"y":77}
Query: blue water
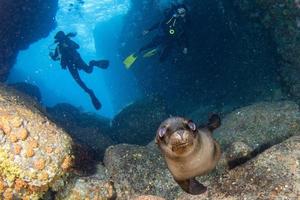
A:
{"x":98,"y":26}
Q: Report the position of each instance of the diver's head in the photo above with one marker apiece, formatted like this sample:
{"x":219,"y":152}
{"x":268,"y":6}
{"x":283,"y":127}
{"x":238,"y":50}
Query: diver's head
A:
{"x":60,"y":36}
{"x":180,"y":10}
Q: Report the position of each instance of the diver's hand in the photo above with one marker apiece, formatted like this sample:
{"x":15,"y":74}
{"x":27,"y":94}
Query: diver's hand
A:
{"x":185,"y":50}
{"x":51,"y":54}
{"x":145,"y":32}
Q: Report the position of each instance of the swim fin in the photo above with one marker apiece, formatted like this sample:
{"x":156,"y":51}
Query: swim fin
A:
{"x":150,"y":53}
{"x":95,"y":101}
{"x":100,"y":63}
{"x":128,"y":62}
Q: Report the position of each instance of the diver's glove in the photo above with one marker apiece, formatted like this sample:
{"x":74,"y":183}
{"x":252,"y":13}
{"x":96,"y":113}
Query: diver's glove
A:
{"x":185,"y":50}
{"x":71,"y":34}
{"x":51,"y":54}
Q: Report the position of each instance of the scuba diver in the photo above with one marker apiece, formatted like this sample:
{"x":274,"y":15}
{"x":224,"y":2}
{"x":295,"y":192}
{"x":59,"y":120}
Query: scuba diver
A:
{"x":66,"y":52}
{"x":171,"y":32}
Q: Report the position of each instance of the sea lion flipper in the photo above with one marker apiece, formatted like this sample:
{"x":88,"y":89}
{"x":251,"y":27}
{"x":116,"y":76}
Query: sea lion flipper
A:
{"x":192,"y":186}
{"x":214,"y":122}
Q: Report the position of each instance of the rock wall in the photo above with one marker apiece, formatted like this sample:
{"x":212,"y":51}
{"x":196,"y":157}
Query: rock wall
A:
{"x":282,"y":19}
{"x":22,"y":22}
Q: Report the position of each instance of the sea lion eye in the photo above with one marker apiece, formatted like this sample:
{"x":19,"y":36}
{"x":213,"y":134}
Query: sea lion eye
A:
{"x":192,"y":125}
{"x":162,"y":131}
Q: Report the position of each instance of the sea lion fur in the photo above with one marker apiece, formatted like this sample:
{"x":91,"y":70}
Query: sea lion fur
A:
{"x":189,"y":151}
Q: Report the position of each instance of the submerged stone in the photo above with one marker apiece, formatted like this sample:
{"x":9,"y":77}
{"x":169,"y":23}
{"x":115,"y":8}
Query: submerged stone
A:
{"x":274,"y":174}
{"x":260,"y":125}
{"x":34,"y":152}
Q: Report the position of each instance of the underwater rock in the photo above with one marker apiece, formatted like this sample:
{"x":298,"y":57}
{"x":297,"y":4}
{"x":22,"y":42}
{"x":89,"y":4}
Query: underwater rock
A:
{"x":137,"y":123}
{"x":149,"y":197}
{"x":237,"y":153}
{"x":260,"y":125}
{"x":274,"y":174}
{"x":91,"y":187}
{"x":86,"y":128}
{"x":34,"y":152}
{"x":22,"y":23}
{"x":137,"y":170}
{"x":29,"y":89}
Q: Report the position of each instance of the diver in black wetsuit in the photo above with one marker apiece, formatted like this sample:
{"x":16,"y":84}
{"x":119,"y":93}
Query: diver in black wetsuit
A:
{"x":171,"y":32}
{"x":66,"y":52}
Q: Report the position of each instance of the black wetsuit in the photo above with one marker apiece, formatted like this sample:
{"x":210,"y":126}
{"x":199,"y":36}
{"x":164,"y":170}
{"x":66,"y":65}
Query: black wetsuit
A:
{"x":171,"y":32}
{"x":66,"y":51}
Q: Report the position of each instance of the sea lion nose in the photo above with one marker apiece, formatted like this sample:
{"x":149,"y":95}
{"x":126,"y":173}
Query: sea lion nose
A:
{"x":180,"y":132}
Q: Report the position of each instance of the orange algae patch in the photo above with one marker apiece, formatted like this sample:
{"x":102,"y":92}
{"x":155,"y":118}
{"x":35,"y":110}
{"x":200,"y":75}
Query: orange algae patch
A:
{"x":17,"y":149}
{"x":8,"y":194}
{"x":33,"y":143}
{"x":13,"y":138}
{"x":20,"y":184}
{"x":2,"y":186}
{"x":36,"y":189}
{"x":22,"y":134}
{"x":25,"y":198}
{"x":5,"y":127}
{"x":30,"y":152}
{"x":67,"y":163}
{"x":49,"y":149}
{"x":40,"y":164}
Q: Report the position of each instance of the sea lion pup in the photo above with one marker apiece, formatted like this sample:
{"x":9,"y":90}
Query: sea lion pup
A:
{"x":189,"y":151}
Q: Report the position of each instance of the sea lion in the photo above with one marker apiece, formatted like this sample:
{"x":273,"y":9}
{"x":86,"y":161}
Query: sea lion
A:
{"x":189,"y":151}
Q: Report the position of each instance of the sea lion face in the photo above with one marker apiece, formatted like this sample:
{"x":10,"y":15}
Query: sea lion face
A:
{"x":177,"y":136}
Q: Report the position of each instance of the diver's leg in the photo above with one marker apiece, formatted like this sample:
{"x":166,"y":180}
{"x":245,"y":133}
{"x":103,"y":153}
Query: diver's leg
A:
{"x":166,"y":50}
{"x":154,"y":43}
{"x":99,"y":63}
{"x":80,"y":64}
{"x":75,"y":75}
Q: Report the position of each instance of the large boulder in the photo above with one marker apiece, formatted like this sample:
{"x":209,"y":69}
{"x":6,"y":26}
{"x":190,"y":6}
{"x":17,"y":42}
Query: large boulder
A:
{"x":137,"y":170}
{"x":141,"y":170}
{"x":260,"y":125}
{"x":29,"y":89}
{"x":137,"y":123}
{"x":86,"y":128}
{"x":34,"y":152}
{"x":274,"y":174}
{"x":97,"y":187}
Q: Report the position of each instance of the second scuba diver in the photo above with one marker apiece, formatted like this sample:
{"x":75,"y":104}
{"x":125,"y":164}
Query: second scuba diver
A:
{"x":66,"y":52}
{"x":171,"y":32}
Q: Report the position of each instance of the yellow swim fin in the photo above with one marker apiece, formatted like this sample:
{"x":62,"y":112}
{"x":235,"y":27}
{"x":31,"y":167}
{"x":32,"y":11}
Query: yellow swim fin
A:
{"x":150,"y":53}
{"x":128,"y":62}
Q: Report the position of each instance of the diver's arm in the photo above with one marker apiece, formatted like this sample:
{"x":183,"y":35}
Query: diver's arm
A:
{"x":154,"y":26}
{"x":71,"y":44}
{"x":75,"y":45}
{"x":54,"y":56}
{"x":183,"y":41}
